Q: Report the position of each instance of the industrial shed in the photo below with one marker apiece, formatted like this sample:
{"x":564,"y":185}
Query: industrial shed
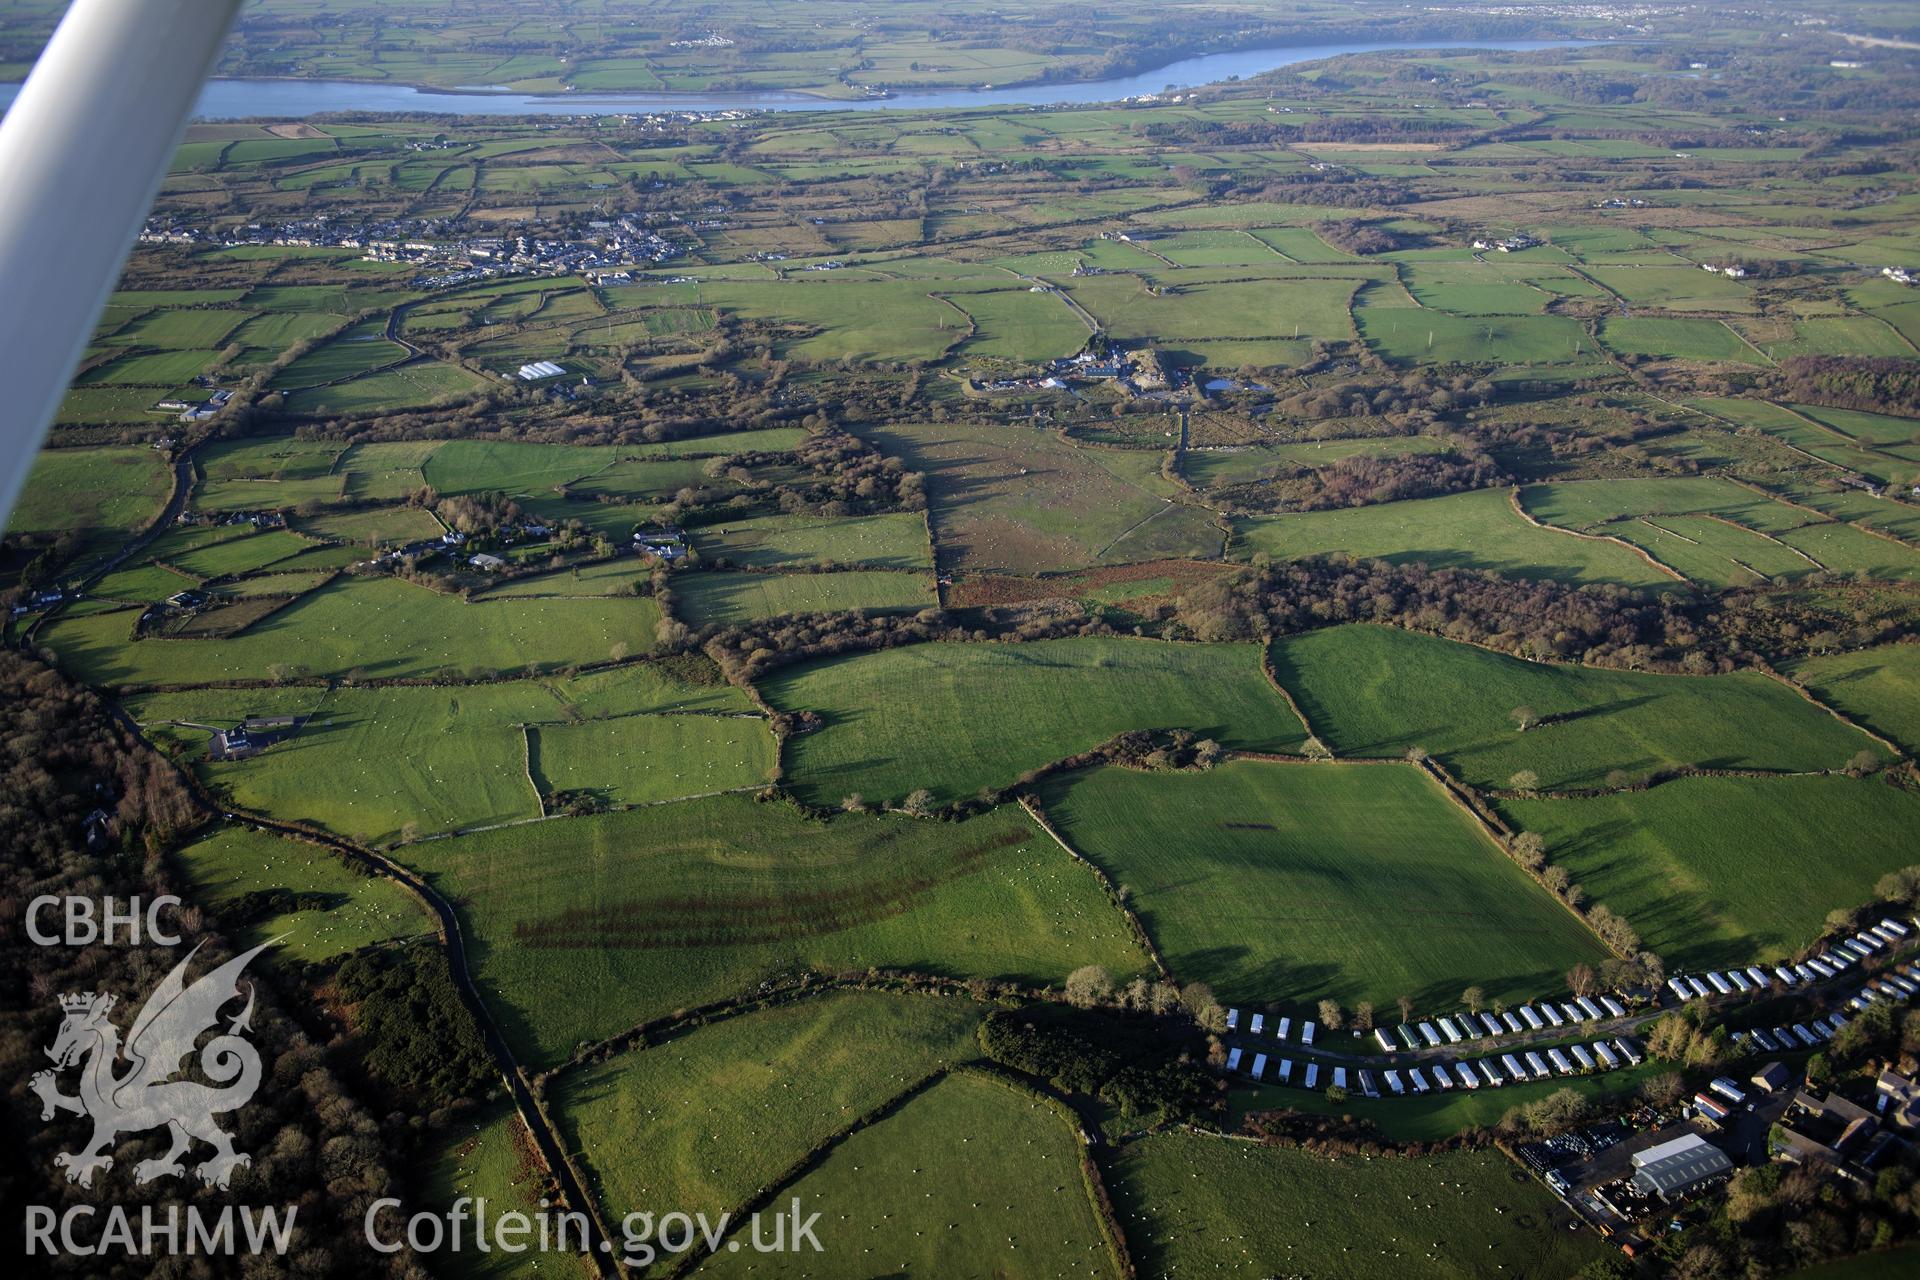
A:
{"x":1676,"y":1167}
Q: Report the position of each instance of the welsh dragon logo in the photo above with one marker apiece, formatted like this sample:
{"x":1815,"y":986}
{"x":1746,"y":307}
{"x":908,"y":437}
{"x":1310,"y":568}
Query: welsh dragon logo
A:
{"x":145,"y":1095}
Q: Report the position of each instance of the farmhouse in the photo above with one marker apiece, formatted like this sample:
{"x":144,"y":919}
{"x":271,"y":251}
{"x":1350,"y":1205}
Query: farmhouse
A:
{"x":251,"y":736}
{"x":1828,"y":1130}
{"x":486,"y":563}
{"x":670,"y":545}
{"x":1898,"y":1099}
{"x":1678,"y":1166}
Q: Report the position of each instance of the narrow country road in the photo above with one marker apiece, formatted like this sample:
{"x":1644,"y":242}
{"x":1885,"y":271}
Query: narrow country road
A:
{"x":531,"y":1113}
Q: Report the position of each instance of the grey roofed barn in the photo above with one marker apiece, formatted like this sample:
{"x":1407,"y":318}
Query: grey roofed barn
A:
{"x":1678,"y":1166}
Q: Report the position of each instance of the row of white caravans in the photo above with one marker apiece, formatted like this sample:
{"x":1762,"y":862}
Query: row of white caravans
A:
{"x":1455,"y":1028}
{"x":1830,"y":964}
{"x":1439,"y":1076}
{"x":1898,"y":984}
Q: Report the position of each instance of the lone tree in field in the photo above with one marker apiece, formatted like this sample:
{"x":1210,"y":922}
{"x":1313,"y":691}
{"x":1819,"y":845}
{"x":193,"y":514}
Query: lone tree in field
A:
{"x":1316,"y":749}
{"x":1524,"y":718}
{"x":919,"y":804}
{"x":1088,"y":986}
{"x":853,"y":802}
{"x":1474,"y":998}
{"x":1526,"y":780}
{"x":1330,"y":1015}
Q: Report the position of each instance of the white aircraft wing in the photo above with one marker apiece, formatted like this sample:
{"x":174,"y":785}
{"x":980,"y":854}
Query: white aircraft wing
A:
{"x":82,"y":151}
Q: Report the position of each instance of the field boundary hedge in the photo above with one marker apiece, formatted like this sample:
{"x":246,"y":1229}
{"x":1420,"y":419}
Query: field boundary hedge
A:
{"x":812,"y":1160}
{"x":1519,"y":509}
{"x":1139,"y":930}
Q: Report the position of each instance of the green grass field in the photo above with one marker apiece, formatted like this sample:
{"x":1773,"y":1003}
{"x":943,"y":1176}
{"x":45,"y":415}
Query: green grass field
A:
{"x":709,"y":598}
{"x":648,"y":759}
{"x":896,"y":1199}
{"x":1716,"y":871}
{"x":1676,"y":338}
{"x":159,"y":369}
{"x":1286,"y":884}
{"x":235,"y":556}
{"x":896,"y":540}
{"x":1377,"y":691}
{"x":652,"y":686}
{"x":585,"y":927}
{"x":359,"y":350}
{"x":1204,"y":310}
{"x":486,"y":1154}
{"x":1195,"y":1204}
{"x":1419,"y":335}
{"x":416,"y":384}
{"x":375,"y":527}
{"x":1879,"y":688}
{"x":1210,"y":468}
{"x":266,"y":473}
{"x":956,"y":718}
{"x":845,"y":317}
{"x":450,"y":757}
{"x":361,"y":910}
{"x":614,"y":577}
{"x":517,"y":467}
{"x":1476,"y":530}
{"x":380,"y":627}
{"x":704,"y":1120}
{"x":145,"y":583}
{"x":102,"y":494}
{"x":1017,"y":500}
{"x":1018,"y":325}
{"x":1675,"y":288}
{"x":1711,"y":530}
